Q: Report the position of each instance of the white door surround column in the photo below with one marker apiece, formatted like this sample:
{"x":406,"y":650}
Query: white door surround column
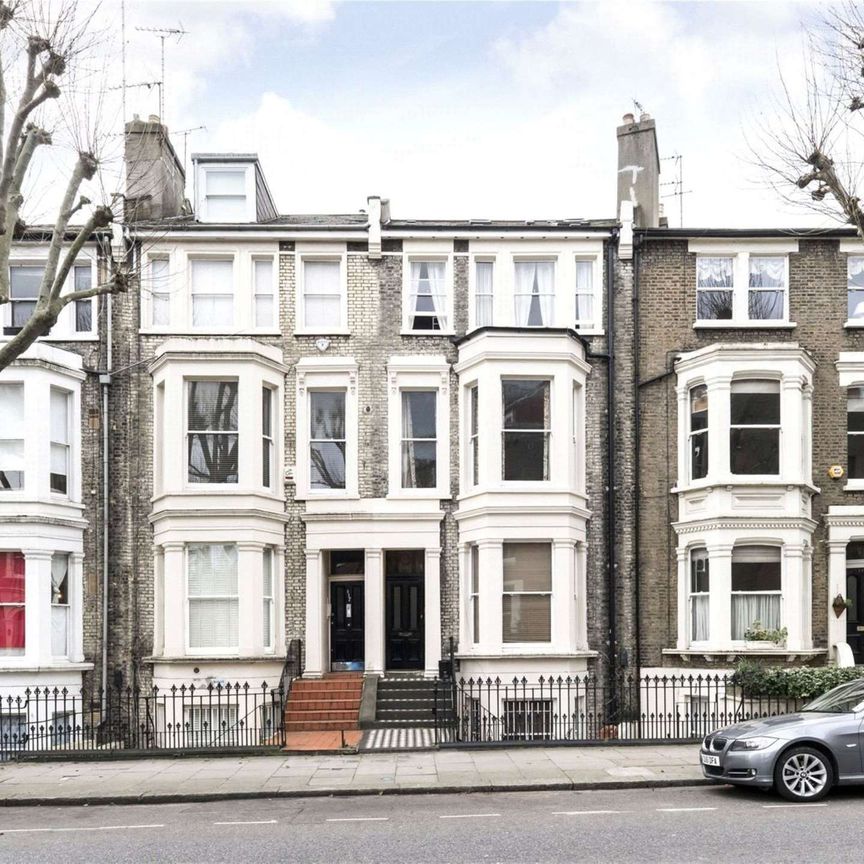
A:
{"x":374,"y":599}
{"x":317,"y":637}
{"x":432,"y":611}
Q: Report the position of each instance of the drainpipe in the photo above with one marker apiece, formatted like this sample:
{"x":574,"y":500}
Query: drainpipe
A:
{"x":105,"y":382}
{"x":611,"y":476}
{"x":637,"y":476}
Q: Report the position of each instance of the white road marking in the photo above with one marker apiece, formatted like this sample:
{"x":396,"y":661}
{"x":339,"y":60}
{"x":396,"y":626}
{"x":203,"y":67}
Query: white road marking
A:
{"x":361,"y":819}
{"x":775,"y":806}
{"x":586,"y":812}
{"x":258,"y":822}
{"x":684,"y":809}
{"x":93,"y":828}
{"x":470,"y":816}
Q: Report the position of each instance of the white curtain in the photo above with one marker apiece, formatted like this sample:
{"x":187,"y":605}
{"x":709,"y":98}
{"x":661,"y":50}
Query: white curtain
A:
{"x":267,"y":598}
{"x":535,"y":289}
{"x":433,"y":286}
{"x":483,"y":294}
{"x":213,"y":596}
{"x":409,"y":464}
{"x":767,"y":272}
{"x":699,"y":610}
{"x":714,"y":272}
{"x":585,"y":294}
{"x":750,"y":608}
{"x":59,"y":605}
{"x":855,"y":272}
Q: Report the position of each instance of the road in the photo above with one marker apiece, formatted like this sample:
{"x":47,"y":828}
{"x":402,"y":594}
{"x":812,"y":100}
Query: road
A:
{"x":714,"y":824}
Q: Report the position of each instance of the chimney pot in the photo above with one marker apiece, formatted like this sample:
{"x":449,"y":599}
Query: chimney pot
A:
{"x":644,"y":116}
{"x":628,"y":118}
{"x":136,"y":117}
{"x":154,"y":118}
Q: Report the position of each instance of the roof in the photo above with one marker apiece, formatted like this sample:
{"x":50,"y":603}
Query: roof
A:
{"x":499,"y":224}
{"x":224,"y":157}
{"x":773,"y":233}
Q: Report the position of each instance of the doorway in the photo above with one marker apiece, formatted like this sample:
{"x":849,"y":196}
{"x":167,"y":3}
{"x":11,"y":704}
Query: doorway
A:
{"x":404,"y":633}
{"x":854,"y":622}
{"x":347,"y":611}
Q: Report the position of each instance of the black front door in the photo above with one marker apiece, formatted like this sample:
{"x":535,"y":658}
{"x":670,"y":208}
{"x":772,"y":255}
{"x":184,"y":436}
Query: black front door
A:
{"x":855,"y":612}
{"x":404,"y":625}
{"x":346,"y":625}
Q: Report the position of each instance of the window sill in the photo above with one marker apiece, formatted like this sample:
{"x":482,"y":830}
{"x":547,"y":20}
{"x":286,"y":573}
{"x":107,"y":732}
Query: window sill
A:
{"x":589,"y":331}
{"x":505,"y":654}
{"x":731,"y":652}
{"x":331,"y":331}
{"x":418,"y":494}
{"x":53,"y":337}
{"x":446,"y":333}
{"x":247,"y":332}
{"x":854,"y":485}
{"x":854,"y":324}
{"x":726,"y":324}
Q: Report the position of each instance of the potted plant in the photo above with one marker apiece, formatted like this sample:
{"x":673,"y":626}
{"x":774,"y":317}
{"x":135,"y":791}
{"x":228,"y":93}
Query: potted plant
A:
{"x":756,"y":635}
{"x":840,"y":604}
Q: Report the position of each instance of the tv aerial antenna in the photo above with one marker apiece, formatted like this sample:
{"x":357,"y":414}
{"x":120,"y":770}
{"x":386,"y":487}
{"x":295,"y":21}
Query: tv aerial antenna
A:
{"x":677,"y":184}
{"x":164,"y":33}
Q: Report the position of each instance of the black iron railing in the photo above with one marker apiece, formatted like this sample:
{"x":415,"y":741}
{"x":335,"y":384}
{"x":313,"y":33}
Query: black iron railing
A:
{"x":582,"y":708}
{"x":219,"y":716}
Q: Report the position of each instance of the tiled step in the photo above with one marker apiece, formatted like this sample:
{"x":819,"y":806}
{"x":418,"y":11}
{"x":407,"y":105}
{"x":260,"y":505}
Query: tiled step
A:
{"x":308,"y":694}
{"x":322,"y":685}
{"x":324,"y":704}
{"x":316,"y":725}
{"x":315,"y":716}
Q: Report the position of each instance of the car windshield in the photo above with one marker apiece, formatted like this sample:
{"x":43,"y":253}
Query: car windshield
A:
{"x":846,"y":697}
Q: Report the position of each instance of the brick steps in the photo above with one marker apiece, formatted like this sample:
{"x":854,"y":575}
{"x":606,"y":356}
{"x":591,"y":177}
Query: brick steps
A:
{"x":324,"y":704}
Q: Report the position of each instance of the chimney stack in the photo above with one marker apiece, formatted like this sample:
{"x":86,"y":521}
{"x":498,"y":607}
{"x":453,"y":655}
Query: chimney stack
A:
{"x":639,"y":170}
{"x":155,"y":176}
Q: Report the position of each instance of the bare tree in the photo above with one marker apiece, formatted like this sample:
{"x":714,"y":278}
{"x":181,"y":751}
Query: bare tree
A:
{"x":812,"y":149}
{"x":39,"y":47}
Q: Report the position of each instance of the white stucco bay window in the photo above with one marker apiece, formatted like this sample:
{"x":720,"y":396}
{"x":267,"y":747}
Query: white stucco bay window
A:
{"x":210,"y":288}
{"x":419,"y":427}
{"x":742,"y":283}
{"x":536,"y":283}
{"x":326,"y":430}
{"x":744,"y":414}
{"x":41,"y":520}
{"x":522,"y":511}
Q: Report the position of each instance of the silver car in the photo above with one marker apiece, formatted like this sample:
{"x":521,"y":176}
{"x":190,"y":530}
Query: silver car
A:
{"x":799,"y":755}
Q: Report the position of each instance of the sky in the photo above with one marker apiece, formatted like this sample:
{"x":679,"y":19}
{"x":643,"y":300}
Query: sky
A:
{"x":469,"y":109}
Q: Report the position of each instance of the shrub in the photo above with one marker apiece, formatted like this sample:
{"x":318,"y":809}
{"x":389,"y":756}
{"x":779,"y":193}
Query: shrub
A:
{"x":803,"y":683}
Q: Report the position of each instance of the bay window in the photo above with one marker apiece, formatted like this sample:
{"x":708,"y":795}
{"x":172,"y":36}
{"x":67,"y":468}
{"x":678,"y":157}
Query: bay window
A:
{"x":756,"y":589}
{"x":754,"y":442}
{"x":212,"y":432}
{"x":266,"y":437}
{"x":322,"y":296}
{"x":59,"y":605}
{"x":212,"y":292}
{"x":527,"y":595}
{"x":526,"y":429}
{"x":419,"y":439}
{"x":698,"y":432}
{"x":60,"y":441}
{"x":699,"y":595}
{"x":11,"y":603}
{"x":483,"y":296}
{"x":263,"y":287}
{"x":213,"y":596}
{"x":474,"y":596}
{"x":327,"y":439}
{"x":855,"y":432}
{"x":11,"y":436}
{"x":427,"y":298}
{"x":267,"y":599}
{"x":474,"y":437}
{"x":534,"y":294}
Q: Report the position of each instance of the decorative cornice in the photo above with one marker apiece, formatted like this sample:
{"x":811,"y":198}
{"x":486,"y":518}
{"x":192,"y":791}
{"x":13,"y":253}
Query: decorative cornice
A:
{"x":719,"y":523}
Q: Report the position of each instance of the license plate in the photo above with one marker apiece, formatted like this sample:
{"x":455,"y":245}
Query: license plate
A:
{"x":708,"y":759}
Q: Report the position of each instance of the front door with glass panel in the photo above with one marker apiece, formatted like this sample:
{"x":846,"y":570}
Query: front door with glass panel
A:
{"x":855,"y":612}
{"x":405,"y":634}
{"x":346,"y":569}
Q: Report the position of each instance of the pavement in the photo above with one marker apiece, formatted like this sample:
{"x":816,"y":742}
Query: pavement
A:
{"x":173,"y":780}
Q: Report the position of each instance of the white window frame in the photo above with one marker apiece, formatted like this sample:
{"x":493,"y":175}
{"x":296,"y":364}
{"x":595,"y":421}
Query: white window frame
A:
{"x":596,"y":325}
{"x":691,"y":433}
{"x":70,"y":437}
{"x":187,"y":432}
{"x":268,"y":443}
{"x":66,"y":607}
{"x":778,"y":426}
{"x":512,"y":541}
{"x":25,"y":470}
{"x":254,"y":259}
{"x":554,"y":260}
{"x":740,"y":252}
{"x":474,"y":592}
{"x":778,"y":593}
{"x":268,"y":600}
{"x":248,"y":168}
{"x":548,"y":432}
{"x":474,"y":461}
{"x":410,"y":258}
{"x":225,"y":649}
{"x":165,"y":292}
{"x":417,"y":372}
{"x":233,"y":326}
{"x":301,"y":259}
{"x":65,"y":330}
{"x":473,"y":293}
{"x":694,"y":596}
{"x":326,"y":373}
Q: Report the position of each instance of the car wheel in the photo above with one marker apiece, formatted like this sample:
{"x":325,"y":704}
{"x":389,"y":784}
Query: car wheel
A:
{"x":803,"y":774}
